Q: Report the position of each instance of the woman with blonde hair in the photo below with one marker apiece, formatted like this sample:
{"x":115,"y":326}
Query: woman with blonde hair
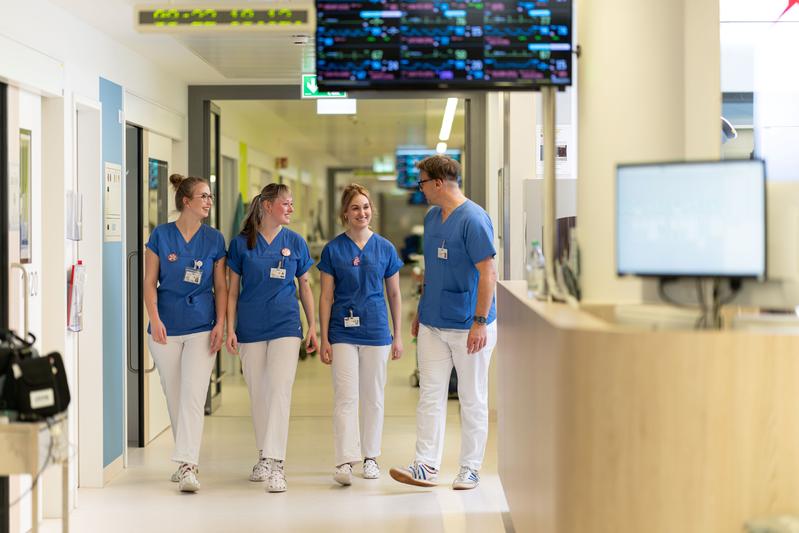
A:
{"x":264,"y":321}
{"x":185,"y":295}
{"x":356,"y":338}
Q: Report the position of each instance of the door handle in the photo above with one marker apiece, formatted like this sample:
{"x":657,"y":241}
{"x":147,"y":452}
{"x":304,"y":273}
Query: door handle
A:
{"x":130,"y":257}
{"x":25,"y":303}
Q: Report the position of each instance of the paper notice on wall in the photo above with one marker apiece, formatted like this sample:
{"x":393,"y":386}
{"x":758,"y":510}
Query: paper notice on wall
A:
{"x":564,"y":158}
{"x":112,"y":206}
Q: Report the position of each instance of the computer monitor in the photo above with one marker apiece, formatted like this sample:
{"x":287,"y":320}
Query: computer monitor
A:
{"x":407,"y":173}
{"x":692,"y":219}
{"x":416,"y":198}
{"x":498,"y":45}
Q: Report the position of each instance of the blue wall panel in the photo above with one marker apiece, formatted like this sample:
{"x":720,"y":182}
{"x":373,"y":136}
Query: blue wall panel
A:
{"x":113,"y":282}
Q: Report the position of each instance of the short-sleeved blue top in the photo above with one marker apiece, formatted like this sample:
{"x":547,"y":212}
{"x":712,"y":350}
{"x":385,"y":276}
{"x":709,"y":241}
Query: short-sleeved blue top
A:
{"x":186,"y":307}
{"x":358,"y":276}
{"x":450,"y":285}
{"x":267,"y":307}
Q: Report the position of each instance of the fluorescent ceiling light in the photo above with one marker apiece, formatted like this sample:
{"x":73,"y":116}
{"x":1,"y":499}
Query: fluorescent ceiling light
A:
{"x":336,"y":106}
{"x":386,"y":177}
{"x":449,"y":116}
{"x":441,"y":148}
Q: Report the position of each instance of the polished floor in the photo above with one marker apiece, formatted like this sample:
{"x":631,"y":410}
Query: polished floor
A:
{"x":143,"y":499}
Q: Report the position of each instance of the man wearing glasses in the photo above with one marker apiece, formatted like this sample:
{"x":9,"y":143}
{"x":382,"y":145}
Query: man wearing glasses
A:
{"x":455,"y":325}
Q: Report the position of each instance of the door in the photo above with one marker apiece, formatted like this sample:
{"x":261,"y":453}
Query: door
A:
{"x":147,"y":158}
{"x":211,"y":167}
{"x":136,"y":370}
{"x":22,"y":244}
{"x":24,"y":197}
{"x":4,"y":493}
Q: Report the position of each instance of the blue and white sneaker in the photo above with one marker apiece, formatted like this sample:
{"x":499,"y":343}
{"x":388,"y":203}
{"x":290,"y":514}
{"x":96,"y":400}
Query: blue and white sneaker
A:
{"x":466,"y":479}
{"x":418,"y":474}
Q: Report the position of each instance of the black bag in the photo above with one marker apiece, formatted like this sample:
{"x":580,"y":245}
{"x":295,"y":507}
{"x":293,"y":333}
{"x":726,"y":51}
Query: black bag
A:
{"x":36,"y":387}
{"x":12,"y":347}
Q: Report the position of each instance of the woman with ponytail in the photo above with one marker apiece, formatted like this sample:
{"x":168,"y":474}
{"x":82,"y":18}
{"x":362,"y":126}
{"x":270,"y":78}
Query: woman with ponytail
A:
{"x":185,"y":294}
{"x":356,"y":338}
{"x":264,"y":321}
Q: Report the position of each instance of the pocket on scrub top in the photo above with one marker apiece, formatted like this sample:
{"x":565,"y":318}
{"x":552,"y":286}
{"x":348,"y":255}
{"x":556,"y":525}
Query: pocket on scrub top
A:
{"x":455,"y":306}
{"x":377,"y":322}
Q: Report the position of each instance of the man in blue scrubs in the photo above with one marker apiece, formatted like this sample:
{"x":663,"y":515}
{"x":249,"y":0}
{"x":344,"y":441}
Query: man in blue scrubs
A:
{"x":455,"y":325}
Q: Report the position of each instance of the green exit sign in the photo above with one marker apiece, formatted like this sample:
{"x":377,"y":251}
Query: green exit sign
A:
{"x":311,"y":90}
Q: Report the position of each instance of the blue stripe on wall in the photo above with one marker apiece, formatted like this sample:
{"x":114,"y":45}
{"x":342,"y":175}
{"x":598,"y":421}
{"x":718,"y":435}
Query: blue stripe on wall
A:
{"x":113,"y":273}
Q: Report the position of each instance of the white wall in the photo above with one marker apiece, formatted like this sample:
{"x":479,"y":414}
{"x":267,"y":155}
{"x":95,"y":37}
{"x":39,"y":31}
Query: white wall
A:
{"x":267,"y":141}
{"x":664,"y":104}
{"x":47,"y":50}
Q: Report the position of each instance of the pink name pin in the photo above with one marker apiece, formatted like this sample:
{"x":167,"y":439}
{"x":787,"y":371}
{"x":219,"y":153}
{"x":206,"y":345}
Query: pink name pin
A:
{"x":285,"y":252}
{"x":356,"y":261}
{"x":172,"y":258}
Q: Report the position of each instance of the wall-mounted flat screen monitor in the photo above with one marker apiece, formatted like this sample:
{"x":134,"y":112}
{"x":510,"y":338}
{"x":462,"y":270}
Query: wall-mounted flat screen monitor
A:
{"x":702,"y":219}
{"x":407,"y":173}
{"x":468,"y":44}
{"x":417,"y":198}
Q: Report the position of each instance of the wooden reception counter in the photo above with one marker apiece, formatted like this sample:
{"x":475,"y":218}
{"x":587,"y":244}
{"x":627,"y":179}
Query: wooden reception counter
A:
{"x":606,"y":429}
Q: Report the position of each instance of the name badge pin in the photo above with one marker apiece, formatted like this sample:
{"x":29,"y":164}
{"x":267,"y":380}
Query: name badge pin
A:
{"x":172,"y":257}
{"x":285,"y":252}
{"x":356,"y":261}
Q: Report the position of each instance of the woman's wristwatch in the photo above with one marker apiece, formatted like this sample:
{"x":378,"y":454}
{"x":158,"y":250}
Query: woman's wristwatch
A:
{"x":480,"y":320}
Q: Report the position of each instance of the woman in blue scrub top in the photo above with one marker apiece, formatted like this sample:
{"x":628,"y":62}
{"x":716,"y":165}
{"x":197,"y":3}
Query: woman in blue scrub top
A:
{"x":186,"y":295}
{"x":265,"y":259}
{"x":355,"y":335}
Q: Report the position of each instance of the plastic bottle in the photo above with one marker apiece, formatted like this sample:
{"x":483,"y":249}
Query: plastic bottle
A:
{"x":536,"y":272}
{"x":75,"y":300}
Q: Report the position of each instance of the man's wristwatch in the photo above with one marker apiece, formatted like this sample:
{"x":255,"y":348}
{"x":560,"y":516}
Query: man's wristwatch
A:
{"x":480,"y":320}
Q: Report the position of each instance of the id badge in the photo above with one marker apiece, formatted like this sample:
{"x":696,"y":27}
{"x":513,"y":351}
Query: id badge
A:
{"x":352,"y":321}
{"x":193,"y":275}
{"x":277,"y":273}
{"x":442,"y":253}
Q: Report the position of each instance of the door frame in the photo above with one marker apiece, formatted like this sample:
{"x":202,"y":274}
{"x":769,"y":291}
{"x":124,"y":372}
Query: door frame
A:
{"x":200,"y":96}
{"x":4,"y":487}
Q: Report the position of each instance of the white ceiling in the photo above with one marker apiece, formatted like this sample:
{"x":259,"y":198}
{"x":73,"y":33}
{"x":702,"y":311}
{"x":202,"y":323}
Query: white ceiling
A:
{"x":215,"y":56}
{"x":224,"y":57}
{"x":354,"y":140}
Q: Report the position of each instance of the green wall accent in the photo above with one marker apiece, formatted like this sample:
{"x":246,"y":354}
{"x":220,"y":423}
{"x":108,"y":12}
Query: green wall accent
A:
{"x":244,"y":177}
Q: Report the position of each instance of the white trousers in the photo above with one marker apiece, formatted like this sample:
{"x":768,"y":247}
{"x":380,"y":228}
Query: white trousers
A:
{"x":269,"y":368}
{"x":438,"y":350}
{"x":184,"y":364}
{"x":359,"y":382}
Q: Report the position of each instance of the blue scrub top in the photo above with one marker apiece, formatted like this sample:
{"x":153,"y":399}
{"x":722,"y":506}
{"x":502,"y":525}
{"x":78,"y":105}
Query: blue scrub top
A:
{"x":267,"y":307}
{"x":358,"y":275}
{"x":450,"y":285}
{"x":186,"y":307}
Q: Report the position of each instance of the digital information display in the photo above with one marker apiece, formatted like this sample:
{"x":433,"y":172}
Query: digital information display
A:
{"x":407,"y":173}
{"x":472,"y":44}
{"x":172,"y":17}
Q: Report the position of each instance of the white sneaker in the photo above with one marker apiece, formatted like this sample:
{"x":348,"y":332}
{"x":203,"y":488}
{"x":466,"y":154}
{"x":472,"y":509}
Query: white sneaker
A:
{"x":175,"y":478}
{"x":276,"y":482}
{"x":188,"y":478}
{"x":466,"y":479}
{"x":343,"y":475}
{"x":260,"y":472}
{"x":418,"y":474}
{"x":370,"y":469}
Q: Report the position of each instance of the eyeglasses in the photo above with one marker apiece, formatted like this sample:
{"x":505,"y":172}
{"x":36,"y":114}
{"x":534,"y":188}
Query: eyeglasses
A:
{"x":206,"y":197}
{"x":419,"y":183}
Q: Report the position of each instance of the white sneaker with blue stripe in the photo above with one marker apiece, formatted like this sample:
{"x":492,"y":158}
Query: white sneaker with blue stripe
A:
{"x":466,"y":479}
{"x":418,"y":474}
